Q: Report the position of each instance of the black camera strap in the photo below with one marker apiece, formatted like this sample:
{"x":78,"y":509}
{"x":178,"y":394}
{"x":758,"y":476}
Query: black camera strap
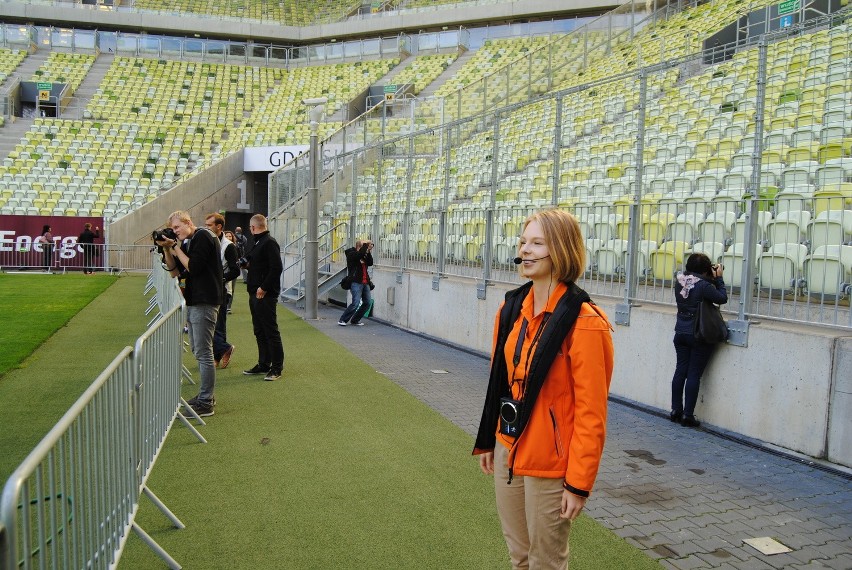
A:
{"x":519,"y":346}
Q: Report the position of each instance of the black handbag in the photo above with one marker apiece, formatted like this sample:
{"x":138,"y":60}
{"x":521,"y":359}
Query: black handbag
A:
{"x":346,"y":283}
{"x":709,"y":326}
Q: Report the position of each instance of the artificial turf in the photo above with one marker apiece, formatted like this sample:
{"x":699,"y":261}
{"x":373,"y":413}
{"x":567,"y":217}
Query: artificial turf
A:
{"x":333,"y":466}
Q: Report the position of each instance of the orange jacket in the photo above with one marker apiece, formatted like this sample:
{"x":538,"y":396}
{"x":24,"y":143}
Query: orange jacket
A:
{"x":564,"y":437}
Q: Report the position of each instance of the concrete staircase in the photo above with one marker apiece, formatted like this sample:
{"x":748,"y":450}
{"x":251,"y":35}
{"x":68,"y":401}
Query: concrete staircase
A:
{"x":12,"y":133}
{"x":88,"y":87}
{"x":447,"y":74}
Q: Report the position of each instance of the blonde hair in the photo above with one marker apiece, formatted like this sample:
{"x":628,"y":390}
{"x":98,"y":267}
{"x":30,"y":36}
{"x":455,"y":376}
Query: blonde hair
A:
{"x":564,"y":242}
{"x":179,"y":215}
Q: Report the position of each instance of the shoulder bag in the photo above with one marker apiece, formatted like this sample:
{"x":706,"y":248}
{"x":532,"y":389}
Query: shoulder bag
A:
{"x":709,"y":325}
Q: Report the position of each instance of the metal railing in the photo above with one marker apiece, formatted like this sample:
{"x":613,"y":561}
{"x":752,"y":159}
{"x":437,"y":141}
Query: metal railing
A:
{"x":736,"y":151}
{"x":68,"y":255}
{"x":72,"y":502}
{"x":332,"y":241}
{"x":223,"y":51}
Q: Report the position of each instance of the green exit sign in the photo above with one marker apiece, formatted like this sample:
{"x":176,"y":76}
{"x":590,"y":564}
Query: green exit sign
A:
{"x":788,"y":6}
{"x":45,"y":85}
{"x":390,"y":88}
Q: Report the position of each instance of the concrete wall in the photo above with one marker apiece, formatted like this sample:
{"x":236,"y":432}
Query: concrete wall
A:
{"x":791,"y":387}
{"x":211,"y":190}
{"x":57,"y":15}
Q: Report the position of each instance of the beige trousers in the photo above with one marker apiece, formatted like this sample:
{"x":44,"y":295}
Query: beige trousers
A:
{"x":529,"y":513}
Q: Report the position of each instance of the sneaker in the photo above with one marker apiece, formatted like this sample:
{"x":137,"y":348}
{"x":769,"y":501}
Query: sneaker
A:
{"x":358,"y":324}
{"x":203,"y":410}
{"x":256,"y":369}
{"x":341,"y":323}
{"x":194,"y":400}
{"x":272,"y":375}
{"x":226,"y":358}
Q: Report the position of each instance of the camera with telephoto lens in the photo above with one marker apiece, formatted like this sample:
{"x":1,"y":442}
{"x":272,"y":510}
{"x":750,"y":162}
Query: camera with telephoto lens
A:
{"x":163,"y":234}
{"x":510,"y":417}
{"x":160,"y":235}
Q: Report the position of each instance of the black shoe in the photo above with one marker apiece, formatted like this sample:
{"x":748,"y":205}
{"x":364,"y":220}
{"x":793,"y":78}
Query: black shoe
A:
{"x":676,"y":417}
{"x":257,"y":369}
{"x":203,"y":410}
{"x":194,"y":400}
{"x":689,"y":421}
{"x":272,"y":375}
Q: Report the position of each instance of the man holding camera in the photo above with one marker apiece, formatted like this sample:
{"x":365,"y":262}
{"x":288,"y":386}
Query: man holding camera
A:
{"x":222,"y":349}
{"x":264,"y":284}
{"x":358,"y":259}
{"x":193,"y":256}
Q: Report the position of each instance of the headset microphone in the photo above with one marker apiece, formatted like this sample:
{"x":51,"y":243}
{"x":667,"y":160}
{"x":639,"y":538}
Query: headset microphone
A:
{"x":519,"y":260}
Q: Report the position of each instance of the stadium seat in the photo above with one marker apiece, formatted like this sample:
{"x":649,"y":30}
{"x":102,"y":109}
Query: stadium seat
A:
{"x":828,"y":272}
{"x":667,"y":259}
{"x":780,"y":267}
{"x":830,"y":227}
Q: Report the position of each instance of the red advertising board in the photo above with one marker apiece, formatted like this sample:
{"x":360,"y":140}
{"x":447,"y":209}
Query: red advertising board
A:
{"x":18,"y":236}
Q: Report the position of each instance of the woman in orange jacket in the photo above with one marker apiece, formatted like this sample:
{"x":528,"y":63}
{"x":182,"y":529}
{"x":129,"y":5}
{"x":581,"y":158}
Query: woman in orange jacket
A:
{"x":544,"y":421}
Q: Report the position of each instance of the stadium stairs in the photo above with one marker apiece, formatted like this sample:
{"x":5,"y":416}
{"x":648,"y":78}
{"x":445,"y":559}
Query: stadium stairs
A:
{"x":13,"y":131}
{"x":448,"y":73}
{"x":89,"y":86}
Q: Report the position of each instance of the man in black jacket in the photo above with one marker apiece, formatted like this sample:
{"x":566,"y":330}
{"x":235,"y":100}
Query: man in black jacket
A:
{"x":264,"y":284}
{"x":196,"y":259}
{"x":358,"y":259}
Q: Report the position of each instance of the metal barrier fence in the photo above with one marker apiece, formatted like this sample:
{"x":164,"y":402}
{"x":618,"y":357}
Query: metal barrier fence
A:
{"x":72,"y":502}
{"x":741,"y":151}
{"x":71,"y":256}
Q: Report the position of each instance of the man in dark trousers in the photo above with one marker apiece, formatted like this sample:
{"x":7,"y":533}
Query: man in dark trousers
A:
{"x":222,"y":349}
{"x":358,"y":259}
{"x":195,"y":257}
{"x":87,"y":243}
{"x":264,"y":284}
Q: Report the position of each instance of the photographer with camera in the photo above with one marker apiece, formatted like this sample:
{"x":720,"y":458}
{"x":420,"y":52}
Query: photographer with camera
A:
{"x":701,"y":280}
{"x":193,"y":255}
{"x":544,"y":421}
{"x":264,"y":284}
{"x":358,"y":259}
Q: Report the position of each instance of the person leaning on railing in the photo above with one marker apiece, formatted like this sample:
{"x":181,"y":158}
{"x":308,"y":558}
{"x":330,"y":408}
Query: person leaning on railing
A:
{"x":87,"y":243}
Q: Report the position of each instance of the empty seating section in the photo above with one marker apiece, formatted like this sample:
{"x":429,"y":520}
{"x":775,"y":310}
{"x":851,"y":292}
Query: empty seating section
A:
{"x":9,"y":60}
{"x":280,"y":117}
{"x":152,"y":120}
{"x":697,"y":158}
{"x":424,"y":70}
{"x":61,"y":67}
{"x":291,"y":12}
{"x":490,"y":73}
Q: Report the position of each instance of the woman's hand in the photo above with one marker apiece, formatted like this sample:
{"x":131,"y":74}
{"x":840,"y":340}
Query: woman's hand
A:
{"x":486,"y":462}
{"x":571,"y":505}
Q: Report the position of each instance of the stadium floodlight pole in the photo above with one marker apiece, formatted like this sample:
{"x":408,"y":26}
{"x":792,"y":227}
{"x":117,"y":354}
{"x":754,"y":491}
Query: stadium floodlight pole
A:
{"x":316,"y":108}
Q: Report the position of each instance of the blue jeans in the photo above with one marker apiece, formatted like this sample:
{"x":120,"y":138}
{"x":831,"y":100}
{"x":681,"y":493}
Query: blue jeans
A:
{"x":692,"y":359}
{"x":202,"y":322}
{"x":360,"y":296}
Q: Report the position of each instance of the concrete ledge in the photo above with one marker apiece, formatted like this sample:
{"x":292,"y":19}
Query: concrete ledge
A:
{"x":187,"y":25}
{"x":791,"y":387}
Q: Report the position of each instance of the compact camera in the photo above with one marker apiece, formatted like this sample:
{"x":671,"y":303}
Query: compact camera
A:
{"x":510,"y":417}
